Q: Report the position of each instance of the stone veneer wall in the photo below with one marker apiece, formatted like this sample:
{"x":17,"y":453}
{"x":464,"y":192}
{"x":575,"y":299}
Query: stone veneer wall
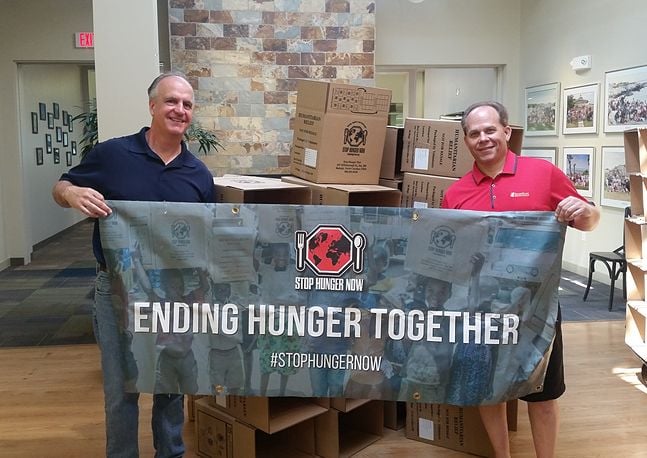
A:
{"x":243,"y":58}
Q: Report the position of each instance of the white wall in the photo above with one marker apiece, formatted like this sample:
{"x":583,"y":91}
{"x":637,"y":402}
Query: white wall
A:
{"x":452,"y":33}
{"x":30,"y":31}
{"x":552,"y":33}
{"x":36,"y":82}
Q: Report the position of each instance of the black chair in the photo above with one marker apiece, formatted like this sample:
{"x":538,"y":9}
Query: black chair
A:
{"x":616,"y":264}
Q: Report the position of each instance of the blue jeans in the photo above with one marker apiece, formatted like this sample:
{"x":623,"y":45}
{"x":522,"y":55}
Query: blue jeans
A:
{"x":122,"y":408}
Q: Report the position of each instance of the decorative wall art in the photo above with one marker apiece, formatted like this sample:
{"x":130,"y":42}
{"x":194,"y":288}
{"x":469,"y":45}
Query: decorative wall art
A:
{"x":542,"y":110}
{"x":577,"y":164}
{"x":615,"y":179}
{"x":580,"y":109}
{"x":625,"y":99}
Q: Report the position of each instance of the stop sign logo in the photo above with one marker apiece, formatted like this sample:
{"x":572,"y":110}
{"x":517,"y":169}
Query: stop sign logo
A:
{"x":330,"y":250}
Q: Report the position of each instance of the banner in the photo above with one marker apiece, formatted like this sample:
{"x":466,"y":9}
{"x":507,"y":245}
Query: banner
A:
{"x":442,"y":306}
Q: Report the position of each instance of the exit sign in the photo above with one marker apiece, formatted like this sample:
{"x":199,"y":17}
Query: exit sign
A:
{"x":84,"y":40}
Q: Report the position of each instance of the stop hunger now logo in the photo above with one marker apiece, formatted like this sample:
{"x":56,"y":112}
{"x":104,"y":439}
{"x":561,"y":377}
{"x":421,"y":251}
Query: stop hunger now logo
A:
{"x":329,"y":250}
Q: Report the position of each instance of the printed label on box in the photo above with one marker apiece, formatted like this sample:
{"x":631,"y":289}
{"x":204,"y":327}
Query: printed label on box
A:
{"x":421,"y":158}
{"x":310,"y":157}
{"x":426,"y":429}
{"x":417,"y":204}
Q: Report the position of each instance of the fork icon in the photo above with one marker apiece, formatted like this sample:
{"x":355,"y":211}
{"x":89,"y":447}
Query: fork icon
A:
{"x":301,"y":250}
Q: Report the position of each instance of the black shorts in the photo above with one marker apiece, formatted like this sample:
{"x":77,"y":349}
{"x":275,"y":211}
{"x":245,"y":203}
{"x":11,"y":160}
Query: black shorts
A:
{"x":554,"y":385}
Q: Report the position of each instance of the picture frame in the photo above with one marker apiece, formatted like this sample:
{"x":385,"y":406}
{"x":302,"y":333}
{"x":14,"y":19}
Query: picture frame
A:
{"x":42,"y":111}
{"x":59,"y":134}
{"x":70,"y":122}
{"x":65,"y":139}
{"x":39,"y":156}
{"x":549,"y":153}
{"x":577,"y":164}
{"x":50,"y":120}
{"x":68,"y":158}
{"x":48,"y":143}
{"x":615,"y":179}
{"x":580,"y":109}
{"x":56,"y":110}
{"x":73,"y":147}
{"x":34,"y":122}
{"x":624,"y":90}
{"x":57,"y":156}
{"x":65,"y":118}
{"x":541,"y":110}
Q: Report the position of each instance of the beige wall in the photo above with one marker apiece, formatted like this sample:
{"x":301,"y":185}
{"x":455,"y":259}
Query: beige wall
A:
{"x":30,"y":31}
{"x":126,"y":62}
{"x":552,"y":33}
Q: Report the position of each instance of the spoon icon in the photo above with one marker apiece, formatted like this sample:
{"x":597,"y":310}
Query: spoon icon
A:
{"x":359,"y":242}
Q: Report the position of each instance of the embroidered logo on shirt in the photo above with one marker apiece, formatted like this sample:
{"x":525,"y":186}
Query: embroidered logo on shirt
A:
{"x":519,"y":194}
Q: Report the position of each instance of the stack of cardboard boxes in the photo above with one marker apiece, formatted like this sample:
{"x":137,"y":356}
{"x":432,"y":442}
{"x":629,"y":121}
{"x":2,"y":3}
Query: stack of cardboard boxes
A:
{"x":344,"y":154}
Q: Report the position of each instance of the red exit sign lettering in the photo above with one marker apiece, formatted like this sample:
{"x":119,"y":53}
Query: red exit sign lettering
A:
{"x":84,"y":40}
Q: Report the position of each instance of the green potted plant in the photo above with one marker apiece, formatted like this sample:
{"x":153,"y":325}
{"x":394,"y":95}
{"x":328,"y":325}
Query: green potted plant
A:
{"x":88,"y":119}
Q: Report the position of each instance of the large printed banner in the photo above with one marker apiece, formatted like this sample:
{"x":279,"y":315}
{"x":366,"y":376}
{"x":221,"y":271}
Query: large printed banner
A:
{"x":432,"y":305}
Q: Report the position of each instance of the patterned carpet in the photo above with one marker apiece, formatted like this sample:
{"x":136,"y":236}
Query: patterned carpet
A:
{"x":49,"y":301}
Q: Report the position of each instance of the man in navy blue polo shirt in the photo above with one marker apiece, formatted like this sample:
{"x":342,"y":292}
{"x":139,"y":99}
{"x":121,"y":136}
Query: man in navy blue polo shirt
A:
{"x":151,"y":165}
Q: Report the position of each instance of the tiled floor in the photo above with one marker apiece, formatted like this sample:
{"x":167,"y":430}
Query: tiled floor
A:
{"x":49,"y":301}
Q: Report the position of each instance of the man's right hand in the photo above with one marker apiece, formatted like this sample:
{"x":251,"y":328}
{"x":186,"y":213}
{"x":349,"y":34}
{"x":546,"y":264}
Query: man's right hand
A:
{"x":86,"y":200}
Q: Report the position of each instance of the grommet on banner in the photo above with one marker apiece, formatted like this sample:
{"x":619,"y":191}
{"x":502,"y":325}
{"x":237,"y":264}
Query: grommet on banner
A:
{"x":219,"y":389}
{"x":235,"y":210}
{"x":416,"y":396}
{"x":415,"y":216}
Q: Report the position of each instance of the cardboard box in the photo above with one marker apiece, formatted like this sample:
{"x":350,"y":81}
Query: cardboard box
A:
{"x":270,"y":415}
{"x":635,"y":141}
{"x":339,"y":132}
{"x":347,"y":404}
{"x":342,"y":434}
{"x":259,"y":190}
{"x":392,"y":154}
{"x":222,"y":436}
{"x":395,"y":414}
{"x":453,"y":427}
{"x":364,"y":195}
{"x":436,"y":147}
{"x":395,"y":184}
{"x":424,"y":191}
{"x":636,"y":328}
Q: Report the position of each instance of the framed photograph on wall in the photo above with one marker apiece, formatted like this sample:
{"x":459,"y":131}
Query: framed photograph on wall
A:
{"x":56,"y":110}
{"x":50,"y":120}
{"x":70,"y":120}
{"x":65,"y":118}
{"x":68,"y":158}
{"x":580,"y":109}
{"x":57,"y":156}
{"x":577,"y":164}
{"x":42,"y":111}
{"x":615,"y":179}
{"x":73,"y":146}
{"x":39,"y":156}
{"x":59,"y":134}
{"x":549,"y":154}
{"x":542,"y":110}
{"x":625,"y":99}
{"x":34,"y":122}
{"x":65,"y":139}
{"x":48,"y":143}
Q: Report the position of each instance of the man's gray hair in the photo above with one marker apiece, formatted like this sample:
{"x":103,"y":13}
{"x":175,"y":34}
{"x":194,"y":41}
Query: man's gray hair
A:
{"x":500,"y":109}
{"x":152,"y":89}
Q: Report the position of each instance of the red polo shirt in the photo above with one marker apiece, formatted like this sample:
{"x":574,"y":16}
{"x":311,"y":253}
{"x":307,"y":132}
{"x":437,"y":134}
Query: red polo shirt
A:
{"x":524,"y":184}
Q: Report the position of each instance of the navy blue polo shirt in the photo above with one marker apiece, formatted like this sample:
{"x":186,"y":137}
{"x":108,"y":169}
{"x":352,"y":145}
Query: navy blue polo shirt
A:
{"x":125,"y":168}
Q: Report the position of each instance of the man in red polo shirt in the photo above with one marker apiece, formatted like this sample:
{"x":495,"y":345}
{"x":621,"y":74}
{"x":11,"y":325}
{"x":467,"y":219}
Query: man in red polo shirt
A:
{"x":503,"y":181}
